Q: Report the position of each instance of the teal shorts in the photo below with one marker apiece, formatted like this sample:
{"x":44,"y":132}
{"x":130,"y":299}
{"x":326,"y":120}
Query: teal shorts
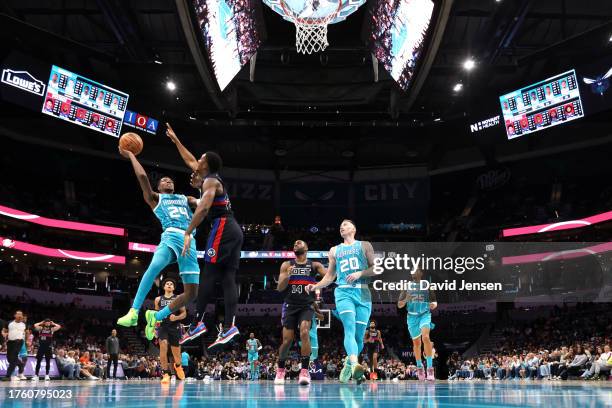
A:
{"x":356,"y":301}
{"x":189,"y":270}
{"x":417,"y":322}
{"x":253,"y":356}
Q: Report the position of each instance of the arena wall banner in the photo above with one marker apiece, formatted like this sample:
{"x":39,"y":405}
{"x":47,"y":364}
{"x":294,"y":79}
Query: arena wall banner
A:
{"x":42,"y":296}
{"x":51,"y":222}
{"x":558,"y":226}
{"x":30,"y":367}
{"x":60,"y":253}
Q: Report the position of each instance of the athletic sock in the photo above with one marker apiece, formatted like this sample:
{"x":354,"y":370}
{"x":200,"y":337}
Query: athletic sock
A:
{"x":305,"y":362}
{"x":281,"y":363}
{"x":419,"y":363}
{"x":163,"y":313}
{"x":429,"y":361}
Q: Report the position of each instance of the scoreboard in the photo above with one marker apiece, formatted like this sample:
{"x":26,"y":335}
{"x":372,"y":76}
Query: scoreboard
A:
{"x":544,"y":104}
{"x":80,"y":100}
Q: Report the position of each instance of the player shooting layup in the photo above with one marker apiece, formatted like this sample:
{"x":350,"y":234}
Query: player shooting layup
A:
{"x":352,"y":262}
{"x":174,"y":213}
{"x":222,"y":253}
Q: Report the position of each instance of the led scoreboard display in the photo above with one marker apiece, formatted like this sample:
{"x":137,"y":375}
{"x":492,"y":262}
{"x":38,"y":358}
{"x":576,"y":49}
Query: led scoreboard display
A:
{"x":547,"y":103}
{"x":80,"y":100}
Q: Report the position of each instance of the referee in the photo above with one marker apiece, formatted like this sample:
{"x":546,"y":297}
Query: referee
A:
{"x":16,"y":337}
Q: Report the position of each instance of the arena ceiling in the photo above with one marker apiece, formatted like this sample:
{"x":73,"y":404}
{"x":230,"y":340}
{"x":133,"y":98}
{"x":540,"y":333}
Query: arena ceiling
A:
{"x":138,"y":45}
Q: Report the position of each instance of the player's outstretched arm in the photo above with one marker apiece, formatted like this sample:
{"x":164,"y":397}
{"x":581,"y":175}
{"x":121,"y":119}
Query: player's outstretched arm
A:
{"x":329,"y":276}
{"x":186,"y":155}
{"x":283,"y":277}
{"x":150,"y":196}
{"x":55,"y":327}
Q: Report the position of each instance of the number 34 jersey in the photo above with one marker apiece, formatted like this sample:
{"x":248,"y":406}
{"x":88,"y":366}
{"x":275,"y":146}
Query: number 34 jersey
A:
{"x":173,"y":211}
{"x":300,"y":276}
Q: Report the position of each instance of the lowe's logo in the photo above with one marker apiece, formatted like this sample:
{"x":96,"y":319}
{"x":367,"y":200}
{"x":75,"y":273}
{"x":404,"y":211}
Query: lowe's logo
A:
{"x":23,"y":80}
{"x":484,"y":124}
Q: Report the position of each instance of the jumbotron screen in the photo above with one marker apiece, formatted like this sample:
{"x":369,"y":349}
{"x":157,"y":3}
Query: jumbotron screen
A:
{"x":397,"y":35}
{"x":230,"y":34}
{"x":80,"y":100}
{"x":542,"y":105}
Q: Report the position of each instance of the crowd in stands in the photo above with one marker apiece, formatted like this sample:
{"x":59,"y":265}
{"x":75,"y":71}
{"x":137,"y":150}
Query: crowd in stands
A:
{"x":569,"y":344}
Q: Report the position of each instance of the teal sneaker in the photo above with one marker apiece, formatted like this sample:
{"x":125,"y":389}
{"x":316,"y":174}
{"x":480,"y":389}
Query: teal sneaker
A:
{"x":347,"y":371}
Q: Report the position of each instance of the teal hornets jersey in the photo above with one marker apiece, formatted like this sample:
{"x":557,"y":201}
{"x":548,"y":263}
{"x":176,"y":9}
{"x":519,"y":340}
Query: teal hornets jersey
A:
{"x":350,"y":259}
{"x":173,"y":211}
{"x":418,"y":301}
{"x":252,"y":343}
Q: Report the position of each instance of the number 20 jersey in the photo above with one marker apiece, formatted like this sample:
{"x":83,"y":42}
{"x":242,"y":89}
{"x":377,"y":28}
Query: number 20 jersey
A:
{"x":173,"y":211}
{"x":300,"y":276}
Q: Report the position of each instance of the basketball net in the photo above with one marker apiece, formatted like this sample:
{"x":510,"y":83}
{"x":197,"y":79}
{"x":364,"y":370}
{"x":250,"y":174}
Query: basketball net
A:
{"x":311,"y":32}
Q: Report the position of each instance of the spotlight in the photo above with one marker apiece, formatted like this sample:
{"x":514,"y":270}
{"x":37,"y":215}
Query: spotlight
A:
{"x":158,"y":62}
{"x":458,"y":87}
{"x":610,"y":38}
{"x":170,"y":85}
{"x":469,"y":64}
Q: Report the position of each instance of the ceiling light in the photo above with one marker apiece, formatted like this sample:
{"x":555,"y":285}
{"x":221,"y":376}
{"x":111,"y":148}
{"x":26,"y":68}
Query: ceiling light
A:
{"x":170,"y":85}
{"x":469,"y":64}
{"x":458,"y":87}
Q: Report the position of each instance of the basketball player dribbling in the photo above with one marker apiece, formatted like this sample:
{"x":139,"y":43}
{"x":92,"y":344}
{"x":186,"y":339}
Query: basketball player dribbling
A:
{"x":352,"y":263}
{"x":174,"y":213}
{"x":298,"y":308}
{"x":222,"y":252}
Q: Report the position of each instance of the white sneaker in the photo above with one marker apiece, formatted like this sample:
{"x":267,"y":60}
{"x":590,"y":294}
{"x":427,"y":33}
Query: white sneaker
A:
{"x":35,"y":378}
{"x":47,"y":378}
{"x":22,"y":377}
{"x":14,"y":378}
{"x":93,"y":378}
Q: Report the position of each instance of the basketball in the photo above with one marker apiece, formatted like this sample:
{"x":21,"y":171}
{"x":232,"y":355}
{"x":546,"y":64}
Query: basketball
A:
{"x":132,"y":142}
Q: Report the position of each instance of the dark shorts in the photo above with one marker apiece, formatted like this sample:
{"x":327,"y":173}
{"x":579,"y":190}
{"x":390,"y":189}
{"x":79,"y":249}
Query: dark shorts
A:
{"x":293,"y":315}
{"x":224,"y":243}
{"x":171,"y":333}
{"x":373,"y":347}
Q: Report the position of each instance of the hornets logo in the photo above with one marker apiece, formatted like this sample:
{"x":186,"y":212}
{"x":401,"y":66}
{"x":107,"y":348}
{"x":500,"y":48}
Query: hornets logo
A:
{"x":211,"y":252}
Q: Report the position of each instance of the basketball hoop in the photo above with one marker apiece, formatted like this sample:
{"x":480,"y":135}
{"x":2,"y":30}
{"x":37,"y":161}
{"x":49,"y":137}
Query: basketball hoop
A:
{"x":310,"y":32}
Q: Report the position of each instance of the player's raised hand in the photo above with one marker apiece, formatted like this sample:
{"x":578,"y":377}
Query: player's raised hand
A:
{"x":309,"y":288}
{"x":433,"y":305}
{"x":170,"y":133}
{"x":186,"y":245}
{"x":125,"y":153}
{"x":354,"y":276}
